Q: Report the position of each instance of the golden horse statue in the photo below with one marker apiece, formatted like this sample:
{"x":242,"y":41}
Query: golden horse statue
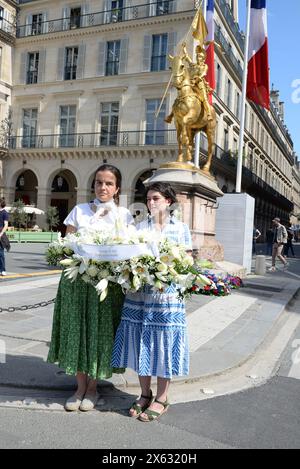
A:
{"x":189,"y":112}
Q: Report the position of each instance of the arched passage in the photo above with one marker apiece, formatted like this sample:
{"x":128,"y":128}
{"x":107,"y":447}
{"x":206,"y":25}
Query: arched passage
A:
{"x":26,"y":188}
{"x":63,"y":195}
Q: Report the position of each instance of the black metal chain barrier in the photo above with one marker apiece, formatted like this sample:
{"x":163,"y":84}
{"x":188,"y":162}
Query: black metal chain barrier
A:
{"x":12,"y":309}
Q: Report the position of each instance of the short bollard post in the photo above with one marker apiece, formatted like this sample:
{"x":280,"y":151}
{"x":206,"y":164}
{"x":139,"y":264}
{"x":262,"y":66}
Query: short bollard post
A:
{"x":260,"y":265}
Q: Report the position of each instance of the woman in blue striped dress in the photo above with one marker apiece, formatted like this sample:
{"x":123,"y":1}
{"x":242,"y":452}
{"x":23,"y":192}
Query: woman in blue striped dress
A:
{"x":152,"y":336}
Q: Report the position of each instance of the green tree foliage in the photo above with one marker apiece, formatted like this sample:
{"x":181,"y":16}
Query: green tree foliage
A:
{"x":52,"y":217}
{"x":18,"y":216}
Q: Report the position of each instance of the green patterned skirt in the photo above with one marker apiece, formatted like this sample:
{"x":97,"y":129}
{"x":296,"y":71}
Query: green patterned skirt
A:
{"x":84,"y":329}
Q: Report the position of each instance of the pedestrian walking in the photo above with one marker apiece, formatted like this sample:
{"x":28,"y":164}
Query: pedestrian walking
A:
{"x":3,"y":237}
{"x":83,"y":327}
{"x":256,"y":235}
{"x":269,"y":240}
{"x":289,"y":244}
{"x":279,"y":240}
{"x":152,"y":336}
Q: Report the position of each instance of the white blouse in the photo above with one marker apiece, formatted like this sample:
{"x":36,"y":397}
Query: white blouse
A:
{"x":83,"y":216}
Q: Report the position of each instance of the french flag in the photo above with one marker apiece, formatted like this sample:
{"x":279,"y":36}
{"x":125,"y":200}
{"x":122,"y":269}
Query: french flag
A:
{"x":210,"y":51}
{"x":258,"y":87}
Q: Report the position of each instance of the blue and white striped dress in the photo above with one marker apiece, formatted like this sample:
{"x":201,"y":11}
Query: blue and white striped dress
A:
{"x":152,"y":336}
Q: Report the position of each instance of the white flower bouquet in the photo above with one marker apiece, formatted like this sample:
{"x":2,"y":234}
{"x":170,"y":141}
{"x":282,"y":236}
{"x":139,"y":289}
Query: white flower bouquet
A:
{"x":127,"y":257}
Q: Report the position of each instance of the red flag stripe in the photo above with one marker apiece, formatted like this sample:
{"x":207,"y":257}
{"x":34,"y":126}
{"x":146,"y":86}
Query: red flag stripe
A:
{"x":258,"y":88}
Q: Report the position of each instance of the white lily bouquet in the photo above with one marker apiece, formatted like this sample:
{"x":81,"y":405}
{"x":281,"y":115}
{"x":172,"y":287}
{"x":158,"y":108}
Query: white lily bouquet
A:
{"x":129,"y":258}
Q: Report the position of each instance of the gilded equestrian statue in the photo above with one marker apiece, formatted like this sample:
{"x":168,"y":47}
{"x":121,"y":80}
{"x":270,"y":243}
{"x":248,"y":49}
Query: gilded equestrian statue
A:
{"x":191,"y":110}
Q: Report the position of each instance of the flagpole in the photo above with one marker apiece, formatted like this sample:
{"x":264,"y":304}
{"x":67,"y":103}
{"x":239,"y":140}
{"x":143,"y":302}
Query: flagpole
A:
{"x":198,"y":134}
{"x":239,"y":170}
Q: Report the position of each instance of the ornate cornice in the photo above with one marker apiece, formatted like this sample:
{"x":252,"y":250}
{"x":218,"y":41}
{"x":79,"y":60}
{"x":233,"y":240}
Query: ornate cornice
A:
{"x":29,"y":97}
{"x":134,"y":152}
{"x":111,"y":89}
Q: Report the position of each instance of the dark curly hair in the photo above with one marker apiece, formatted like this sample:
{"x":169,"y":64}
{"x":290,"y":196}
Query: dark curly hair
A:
{"x":165,"y":189}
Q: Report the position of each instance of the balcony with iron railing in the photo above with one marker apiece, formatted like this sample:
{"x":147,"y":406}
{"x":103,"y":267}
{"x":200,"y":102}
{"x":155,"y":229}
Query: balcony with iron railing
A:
{"x":101,"y":18}
{"x":70,"y":72}
{"x":126,"y":139}
{"x":94,"y":140}
{"x":234,"y":26}
{"x":7,"y":29}
{"x":32,"y":77}
{"x":220,"y":39}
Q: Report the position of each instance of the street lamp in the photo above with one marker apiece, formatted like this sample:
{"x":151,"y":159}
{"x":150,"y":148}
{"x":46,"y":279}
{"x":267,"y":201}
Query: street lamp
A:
{"x":60,"y":182}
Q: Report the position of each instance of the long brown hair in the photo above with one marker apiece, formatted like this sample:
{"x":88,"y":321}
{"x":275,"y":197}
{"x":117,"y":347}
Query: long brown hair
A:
{"x":2,"y":203}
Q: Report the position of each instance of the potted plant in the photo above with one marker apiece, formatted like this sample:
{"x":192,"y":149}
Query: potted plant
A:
{"x":115,"y":15}
{"x":52,"y":218}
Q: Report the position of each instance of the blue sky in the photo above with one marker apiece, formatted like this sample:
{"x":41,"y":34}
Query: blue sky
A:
{"x":284,"y":57}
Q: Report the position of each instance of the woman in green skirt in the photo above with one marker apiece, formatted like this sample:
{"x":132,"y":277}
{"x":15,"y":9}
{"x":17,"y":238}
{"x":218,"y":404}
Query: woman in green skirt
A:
{"x":83,"y":328}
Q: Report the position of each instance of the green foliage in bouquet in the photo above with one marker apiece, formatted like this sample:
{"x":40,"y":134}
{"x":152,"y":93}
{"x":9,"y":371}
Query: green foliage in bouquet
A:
{"x":204,"y":264}
{"x":56,"y":253}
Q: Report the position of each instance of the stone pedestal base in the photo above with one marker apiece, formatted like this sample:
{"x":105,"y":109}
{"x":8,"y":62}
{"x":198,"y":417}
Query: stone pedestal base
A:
{"x":234,"y":228}
{"x":197,"y":195}
{"x":225,"y":267}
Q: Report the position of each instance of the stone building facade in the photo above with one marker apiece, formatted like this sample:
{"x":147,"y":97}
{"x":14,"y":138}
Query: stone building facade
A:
{"x":7,"y":41}
{"x":87,"y":79}
{"x":295,"y":216}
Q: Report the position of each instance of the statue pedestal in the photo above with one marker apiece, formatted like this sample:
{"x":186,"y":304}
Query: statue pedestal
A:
{"x":197,"y":195}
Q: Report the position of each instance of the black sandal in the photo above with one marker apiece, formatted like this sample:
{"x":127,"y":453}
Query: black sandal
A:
{"x":138,"y":408}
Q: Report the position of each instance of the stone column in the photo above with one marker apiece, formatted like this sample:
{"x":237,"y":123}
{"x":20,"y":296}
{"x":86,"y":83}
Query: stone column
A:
{"x":9,"y":194}
{"x":43,"y":202}
{"x":83,"y":196}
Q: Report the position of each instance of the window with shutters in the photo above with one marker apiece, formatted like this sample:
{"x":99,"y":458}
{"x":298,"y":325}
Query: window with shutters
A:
{"x":155,"y":128}
{"x":117,"y":11}
{"x":37,"y":24}
{"x":32,"y":68}
{"x":218,"y":79}
{"x":163,"y":7}
{"x":1,"y":16}
{"x":71,"y":63}
{"x":29,"y":128}
{"x":109,"y":119}
{"x":75,"y":16}
{"x":237,"y":104}
{"x":159,"y":52}
{"x":225,"y":145}
{"x":112,"y":58}
{"x":67,"y":126}
{"x":229,"y":93}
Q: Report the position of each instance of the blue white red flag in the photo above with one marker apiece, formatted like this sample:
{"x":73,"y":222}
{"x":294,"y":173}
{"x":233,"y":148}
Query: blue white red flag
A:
{"x":258,"y":87}
{"x":210,"y":51}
